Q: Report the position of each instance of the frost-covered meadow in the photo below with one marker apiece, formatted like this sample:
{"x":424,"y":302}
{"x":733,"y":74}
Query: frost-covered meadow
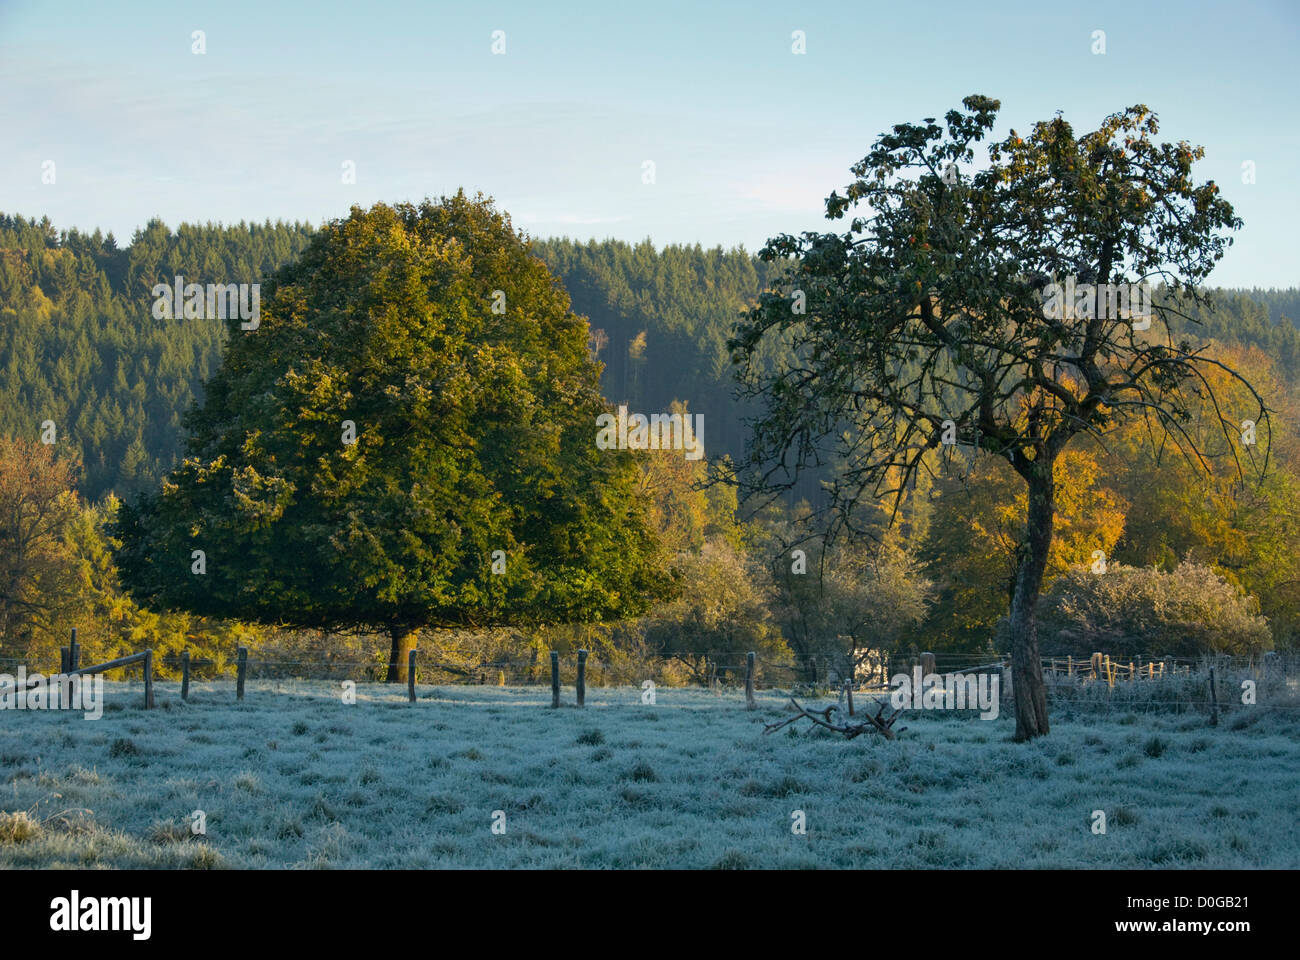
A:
{"x":294,"y":777}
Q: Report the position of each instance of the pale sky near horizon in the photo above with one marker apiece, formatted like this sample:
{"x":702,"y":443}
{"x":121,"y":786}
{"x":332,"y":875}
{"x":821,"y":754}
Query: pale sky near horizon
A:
{"x":747,"y":138}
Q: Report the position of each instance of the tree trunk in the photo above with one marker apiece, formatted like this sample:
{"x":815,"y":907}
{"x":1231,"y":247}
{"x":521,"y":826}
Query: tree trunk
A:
{"x":1026,"y":668}
{"x":403,"y":643}
{"x":807,"y":667}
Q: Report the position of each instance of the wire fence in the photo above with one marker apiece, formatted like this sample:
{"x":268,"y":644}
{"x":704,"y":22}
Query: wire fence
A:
{"x":1099,"y":682}
{"x":719,"y":668}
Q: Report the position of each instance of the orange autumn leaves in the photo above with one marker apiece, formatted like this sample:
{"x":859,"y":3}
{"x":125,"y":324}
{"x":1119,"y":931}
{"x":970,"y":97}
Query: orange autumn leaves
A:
{"x":1140,"y":501}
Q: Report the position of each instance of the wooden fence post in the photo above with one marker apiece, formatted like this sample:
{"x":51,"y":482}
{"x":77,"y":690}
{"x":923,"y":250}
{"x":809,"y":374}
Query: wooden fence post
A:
{"x":241,"y":671}
{"x":64,"y":660}
{"x":148,"y":679}
{"x":1096,"y":666}
{"x":1272,"y":665}
{"x":410,"y":674}
{"x":848,"y":691}
{"x":74,"y":652}
{"x":1214,"y":702}
{"x":555,"y":679}
{"x":749,"y":681}
{"x":1069,"y":666}
{"x":582,"y":678}
{"x":185,"y":674}
{"x":927,"y":663}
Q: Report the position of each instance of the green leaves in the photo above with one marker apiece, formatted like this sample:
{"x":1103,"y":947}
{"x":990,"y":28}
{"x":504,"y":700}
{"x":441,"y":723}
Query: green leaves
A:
{"x":474,"y":433}
{"x":932,"y":307}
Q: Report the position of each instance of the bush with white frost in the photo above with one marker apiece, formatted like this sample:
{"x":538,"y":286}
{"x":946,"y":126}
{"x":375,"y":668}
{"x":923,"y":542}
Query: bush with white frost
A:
{"x":1133,"y":611}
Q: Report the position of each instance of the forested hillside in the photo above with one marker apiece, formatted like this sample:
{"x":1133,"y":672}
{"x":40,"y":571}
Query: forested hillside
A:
{"x":79,"y":344}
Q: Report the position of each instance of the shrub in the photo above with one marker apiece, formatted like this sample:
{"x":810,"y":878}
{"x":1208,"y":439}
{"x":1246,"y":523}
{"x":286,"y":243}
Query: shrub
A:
{"x":18,"y":827}
{"x":643,"y":772}
{"x":168,"y":831}
{"x":1144,"y":611}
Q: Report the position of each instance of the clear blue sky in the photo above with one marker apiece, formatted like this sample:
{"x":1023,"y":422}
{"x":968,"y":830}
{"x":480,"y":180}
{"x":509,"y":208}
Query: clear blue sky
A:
{"x":747,"y":138}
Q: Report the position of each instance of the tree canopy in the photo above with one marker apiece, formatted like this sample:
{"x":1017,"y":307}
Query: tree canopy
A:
{"x":406,"y":440}
{"x":930,"y":320}
{"x":80,"y":347}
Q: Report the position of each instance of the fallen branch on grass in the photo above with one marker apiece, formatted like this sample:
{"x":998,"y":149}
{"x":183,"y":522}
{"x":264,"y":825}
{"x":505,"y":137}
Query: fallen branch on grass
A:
{"x":822,"y":718}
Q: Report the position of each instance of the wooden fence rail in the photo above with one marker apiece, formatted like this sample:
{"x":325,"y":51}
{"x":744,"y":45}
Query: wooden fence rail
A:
{"x":145,"y":657}
{"x":1102,"y":667}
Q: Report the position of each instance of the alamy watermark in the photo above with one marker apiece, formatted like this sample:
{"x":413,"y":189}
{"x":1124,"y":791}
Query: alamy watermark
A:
{"x":75,"y":913}
{"x":216,"y":301}
{"x":84,"y":692}
{"x":1072,"y":300}
{"x":951,"y":691}
{"x":659,"y":431}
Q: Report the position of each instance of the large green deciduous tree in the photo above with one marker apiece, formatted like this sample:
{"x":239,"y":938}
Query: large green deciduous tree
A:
{"x":434,"y":337}
{"x":934,"y":315}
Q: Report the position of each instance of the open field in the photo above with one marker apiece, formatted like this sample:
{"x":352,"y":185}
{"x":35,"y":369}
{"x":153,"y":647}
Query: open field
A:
{"x":293,"y":777}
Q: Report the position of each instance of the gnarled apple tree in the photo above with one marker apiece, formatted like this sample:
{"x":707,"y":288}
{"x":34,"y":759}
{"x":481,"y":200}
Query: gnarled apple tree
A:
{"x":991,"y":307}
